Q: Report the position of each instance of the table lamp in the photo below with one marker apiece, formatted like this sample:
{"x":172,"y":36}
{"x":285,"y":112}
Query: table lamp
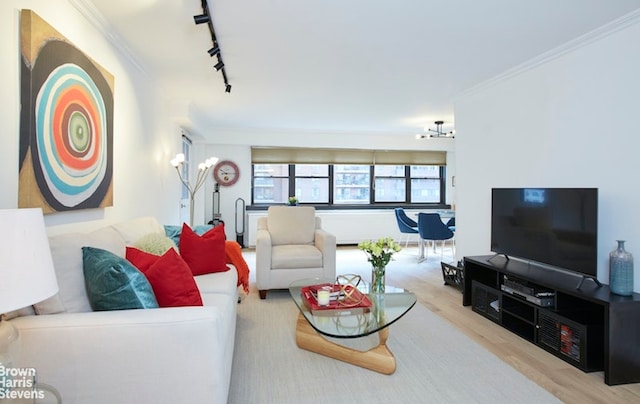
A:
{"x":27,"y":275}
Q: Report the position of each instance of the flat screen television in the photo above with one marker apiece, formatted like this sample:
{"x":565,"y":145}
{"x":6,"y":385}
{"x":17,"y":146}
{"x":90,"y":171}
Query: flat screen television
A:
{"x":553,"y":226}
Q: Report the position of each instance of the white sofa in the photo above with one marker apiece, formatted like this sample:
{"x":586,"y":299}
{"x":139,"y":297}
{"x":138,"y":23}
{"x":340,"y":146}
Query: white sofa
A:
{"x":165,"y":355}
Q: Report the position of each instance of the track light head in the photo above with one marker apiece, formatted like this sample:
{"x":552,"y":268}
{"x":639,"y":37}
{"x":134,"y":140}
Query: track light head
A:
{"x":201,"y":18}
{"x":214,"y":51}
{"x":228,"y":88}
{"x":219,"y":66}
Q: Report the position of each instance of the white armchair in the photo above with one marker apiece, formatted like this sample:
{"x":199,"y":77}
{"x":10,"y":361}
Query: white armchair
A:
{"x":291,"y":245}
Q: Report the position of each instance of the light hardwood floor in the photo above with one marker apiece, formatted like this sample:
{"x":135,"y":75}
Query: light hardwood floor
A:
{"x":566,"y":382}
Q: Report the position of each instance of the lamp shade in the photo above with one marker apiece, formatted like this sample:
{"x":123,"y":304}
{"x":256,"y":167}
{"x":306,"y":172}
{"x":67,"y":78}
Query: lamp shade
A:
{"x":27,"y":275}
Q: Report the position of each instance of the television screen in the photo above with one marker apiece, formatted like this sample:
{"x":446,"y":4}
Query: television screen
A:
{"x":554,"y":226}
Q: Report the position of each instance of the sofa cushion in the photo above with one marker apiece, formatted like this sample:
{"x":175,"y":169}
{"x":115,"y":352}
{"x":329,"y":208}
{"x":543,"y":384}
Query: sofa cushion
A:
{"x":291,"y":224}
{"x":132,"y":230}
{"x":295,"y":256}
{"x":66,"y":251}
{"x":218,"y":282}
{"x":113,"y":283}
{"x":204,"y":254}
{"x":169,"y":276}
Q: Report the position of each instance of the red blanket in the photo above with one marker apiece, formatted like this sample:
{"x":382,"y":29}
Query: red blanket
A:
{"x":234,"y":256}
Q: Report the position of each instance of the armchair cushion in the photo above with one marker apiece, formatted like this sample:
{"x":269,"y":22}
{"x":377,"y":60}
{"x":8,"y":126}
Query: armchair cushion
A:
{"x":295,"y":256}
{"x":291,"y":224}
{"x":113,"y":283}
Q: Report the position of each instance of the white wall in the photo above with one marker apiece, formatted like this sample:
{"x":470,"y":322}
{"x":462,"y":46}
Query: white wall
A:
{"x":569,"y":122}
{"x":144,"y":139}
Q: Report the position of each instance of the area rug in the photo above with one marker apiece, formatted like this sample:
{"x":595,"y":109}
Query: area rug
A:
{"x":435,"y":364}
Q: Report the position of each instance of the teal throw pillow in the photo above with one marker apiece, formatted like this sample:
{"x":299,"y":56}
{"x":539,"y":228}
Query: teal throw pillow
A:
{"x":173,"y":232}
{"x":113,"y":283}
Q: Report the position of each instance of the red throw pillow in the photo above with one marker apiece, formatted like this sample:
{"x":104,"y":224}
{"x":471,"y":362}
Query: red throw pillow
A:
{"x":169,"y":276}
{"x":140,"y":259}
{"x":204,"y":254}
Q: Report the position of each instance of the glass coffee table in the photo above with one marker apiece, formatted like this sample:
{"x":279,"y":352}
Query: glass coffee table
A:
{"x":312,"y":330}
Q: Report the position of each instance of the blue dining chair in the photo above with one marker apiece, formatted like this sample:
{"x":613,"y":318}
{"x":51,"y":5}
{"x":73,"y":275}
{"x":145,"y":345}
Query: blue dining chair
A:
{"x":405,"y":224}
{"x":431,"y":228}
{"x":451,"y":224}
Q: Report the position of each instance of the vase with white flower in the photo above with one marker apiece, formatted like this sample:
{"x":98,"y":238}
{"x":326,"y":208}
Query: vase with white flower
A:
{"x":293,"y":201}
{"x":379,"y":253}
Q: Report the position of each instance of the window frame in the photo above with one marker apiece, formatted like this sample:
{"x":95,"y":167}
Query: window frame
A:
{"x":372,"y":203}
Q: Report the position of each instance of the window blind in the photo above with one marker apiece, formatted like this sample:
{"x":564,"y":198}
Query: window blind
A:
{"x":300,"y":155}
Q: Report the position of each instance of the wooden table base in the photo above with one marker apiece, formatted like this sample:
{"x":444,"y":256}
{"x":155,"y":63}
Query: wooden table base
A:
{"x":379,"y":358}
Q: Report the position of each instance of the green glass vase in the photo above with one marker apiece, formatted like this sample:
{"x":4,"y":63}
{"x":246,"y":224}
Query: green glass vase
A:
{"x":377,"y":280}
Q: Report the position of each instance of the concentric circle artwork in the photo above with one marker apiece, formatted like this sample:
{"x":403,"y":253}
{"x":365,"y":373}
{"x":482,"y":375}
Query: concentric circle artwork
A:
{"x":70,"y":135}
{"x":67,"y":136}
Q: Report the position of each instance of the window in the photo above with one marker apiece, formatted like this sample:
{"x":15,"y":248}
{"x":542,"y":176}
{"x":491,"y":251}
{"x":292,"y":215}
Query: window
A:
{"x":348,"y":184}
{"x":426,"y":184}
{"x":390,"y":184}
{"x":311,"y":183}
{"x":351,"y":184}
{"x":270,"y":183}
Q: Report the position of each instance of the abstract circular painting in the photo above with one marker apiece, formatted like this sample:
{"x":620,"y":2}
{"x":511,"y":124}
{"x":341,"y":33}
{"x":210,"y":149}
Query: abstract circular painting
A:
{"x":66,"y":148}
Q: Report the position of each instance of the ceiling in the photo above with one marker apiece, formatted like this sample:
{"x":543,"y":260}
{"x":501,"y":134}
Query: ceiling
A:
{"x":336,"y":66}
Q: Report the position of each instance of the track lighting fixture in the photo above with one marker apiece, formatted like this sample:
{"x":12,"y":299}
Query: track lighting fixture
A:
{"x":201,"y":19}
{"x":437,"y":132}
{"x":215,"y":49}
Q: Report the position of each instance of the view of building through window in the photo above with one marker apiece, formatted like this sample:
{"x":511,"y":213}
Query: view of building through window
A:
{"x":270,"y":183}
{"x":347,"y":184}
{"x":351,"y":184}
{"x":311,"y":183}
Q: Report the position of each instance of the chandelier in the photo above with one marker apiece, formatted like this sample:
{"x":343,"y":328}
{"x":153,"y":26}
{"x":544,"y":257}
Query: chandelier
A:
{"x":437,"y":132}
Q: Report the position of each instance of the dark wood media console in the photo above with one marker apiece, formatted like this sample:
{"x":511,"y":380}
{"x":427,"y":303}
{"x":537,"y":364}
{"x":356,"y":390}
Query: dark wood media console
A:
{"x":589,"y":327}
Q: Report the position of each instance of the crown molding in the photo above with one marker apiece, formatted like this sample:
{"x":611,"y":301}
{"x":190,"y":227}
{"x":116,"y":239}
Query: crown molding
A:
{"x":597,"y":34}
{"x":95,"y":18}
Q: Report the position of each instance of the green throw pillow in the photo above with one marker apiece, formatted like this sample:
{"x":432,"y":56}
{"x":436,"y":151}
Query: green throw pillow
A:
{"x":113,"y":283}
{"x":154,"y":243}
